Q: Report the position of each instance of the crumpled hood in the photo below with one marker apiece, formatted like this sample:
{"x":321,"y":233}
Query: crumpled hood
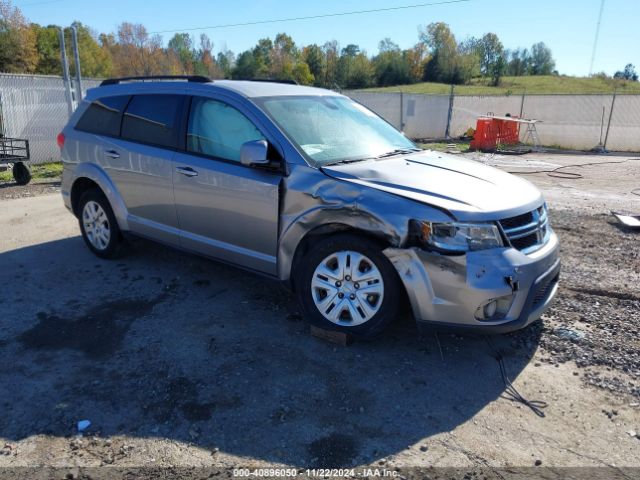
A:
{"x":465,"y":188}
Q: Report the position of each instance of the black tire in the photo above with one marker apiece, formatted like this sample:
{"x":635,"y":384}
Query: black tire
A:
{"x":391,"y":298}
{"x":21,"y":173}
{"x":115,"y":246}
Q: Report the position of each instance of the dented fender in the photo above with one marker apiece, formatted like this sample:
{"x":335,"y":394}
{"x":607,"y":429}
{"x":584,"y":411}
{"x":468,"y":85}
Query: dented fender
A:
{"x":311,"y":200}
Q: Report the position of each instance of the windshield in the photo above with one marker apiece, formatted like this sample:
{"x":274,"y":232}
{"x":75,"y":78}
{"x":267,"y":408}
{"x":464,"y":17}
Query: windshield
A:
{"x":335,"y":129}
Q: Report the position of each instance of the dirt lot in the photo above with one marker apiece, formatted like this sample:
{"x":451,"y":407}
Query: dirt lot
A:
{"x":180,"y":361}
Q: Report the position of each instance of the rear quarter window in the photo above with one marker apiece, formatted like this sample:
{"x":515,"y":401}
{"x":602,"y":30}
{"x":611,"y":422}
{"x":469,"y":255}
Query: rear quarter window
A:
{"x":103,"y":116}
{"x":152,"y":119}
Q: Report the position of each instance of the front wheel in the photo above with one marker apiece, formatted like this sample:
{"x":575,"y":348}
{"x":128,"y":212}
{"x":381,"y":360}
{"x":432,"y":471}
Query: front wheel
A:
{"x":345,"y":283}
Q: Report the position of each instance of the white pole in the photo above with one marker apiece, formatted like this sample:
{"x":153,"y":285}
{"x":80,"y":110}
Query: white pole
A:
{"x":76,"y":55}
{"x":65,"y":72}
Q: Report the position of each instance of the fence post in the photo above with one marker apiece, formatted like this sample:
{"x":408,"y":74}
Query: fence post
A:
{"x":401,"y":111}
{"x":522,"y":104}
{"x":613,"y":103}
{"x":76,"y":56}
{"x":449,"y":114}
{"x":65,"y":72}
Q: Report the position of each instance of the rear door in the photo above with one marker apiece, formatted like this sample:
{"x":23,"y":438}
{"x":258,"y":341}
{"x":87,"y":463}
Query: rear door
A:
{"x":140,"y":162}
{"x":225,"y":209}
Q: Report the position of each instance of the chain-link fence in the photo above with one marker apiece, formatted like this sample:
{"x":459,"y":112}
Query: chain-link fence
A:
{"x":35,"y":107}
{"x":567,"y":121}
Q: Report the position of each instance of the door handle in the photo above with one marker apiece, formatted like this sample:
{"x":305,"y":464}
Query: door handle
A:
{"x":111,"y":154}
{"x":187,"y":171}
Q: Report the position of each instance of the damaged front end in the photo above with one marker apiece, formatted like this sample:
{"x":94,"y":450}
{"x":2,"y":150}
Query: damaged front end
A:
{"x":455,"y":274}
{"x":496,"y":290}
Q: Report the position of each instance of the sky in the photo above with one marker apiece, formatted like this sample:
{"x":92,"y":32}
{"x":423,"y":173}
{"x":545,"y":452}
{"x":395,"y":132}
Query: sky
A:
{"x":567,"y":26}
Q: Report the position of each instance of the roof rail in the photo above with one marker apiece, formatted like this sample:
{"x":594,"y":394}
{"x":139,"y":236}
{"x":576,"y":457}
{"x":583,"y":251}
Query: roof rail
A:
{"x":188,"y":78}
{"x":270,"y":80}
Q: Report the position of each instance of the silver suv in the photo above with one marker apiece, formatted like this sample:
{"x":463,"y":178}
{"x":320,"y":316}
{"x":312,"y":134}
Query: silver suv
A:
{"x":309,"y":187}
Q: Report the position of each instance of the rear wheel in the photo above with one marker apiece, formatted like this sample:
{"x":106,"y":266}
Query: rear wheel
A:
{"x":21,"y":173}
{"x":98,"y":225}
{"x":347,"y":284}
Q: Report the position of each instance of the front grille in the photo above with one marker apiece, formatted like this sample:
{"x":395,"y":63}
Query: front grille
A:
{"x":544,"y":291}
{"x":527,"y":232}
{"x":518,"y":221}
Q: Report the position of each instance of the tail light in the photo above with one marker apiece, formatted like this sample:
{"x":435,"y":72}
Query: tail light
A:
{"x":60,"y":140}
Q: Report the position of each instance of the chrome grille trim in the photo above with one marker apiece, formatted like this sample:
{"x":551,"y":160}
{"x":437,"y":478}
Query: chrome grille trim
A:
{"x":530,"y":236}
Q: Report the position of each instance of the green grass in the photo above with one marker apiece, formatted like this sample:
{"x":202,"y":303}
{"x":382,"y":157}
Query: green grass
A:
{"x":462,"y":146}
{"x":519,"y":85}
{"x":43,"y":171}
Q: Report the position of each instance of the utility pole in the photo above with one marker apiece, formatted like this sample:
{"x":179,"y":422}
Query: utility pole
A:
{"x":595,"y":41}
{"x":76,"y":56}
{"x":65,"y":72}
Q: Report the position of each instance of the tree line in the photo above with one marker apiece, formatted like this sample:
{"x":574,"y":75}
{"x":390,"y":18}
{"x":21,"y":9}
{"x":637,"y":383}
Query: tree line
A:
{"x":132,"y":51}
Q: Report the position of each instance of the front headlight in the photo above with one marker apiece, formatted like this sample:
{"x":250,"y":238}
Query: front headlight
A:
{"x":458,"y":237}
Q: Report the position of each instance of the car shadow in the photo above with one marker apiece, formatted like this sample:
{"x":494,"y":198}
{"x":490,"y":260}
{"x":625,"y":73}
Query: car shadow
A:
{"x":162,"y":344}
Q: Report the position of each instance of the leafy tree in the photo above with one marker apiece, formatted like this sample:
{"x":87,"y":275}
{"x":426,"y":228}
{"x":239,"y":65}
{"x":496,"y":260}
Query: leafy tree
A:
{"x":314,"y":58}
{"x":542,"y":62}
{"x":181,"y":46}
{"x":246,"y":66}
{"x":48,"y":47}
{"x":443,"y":65}
{"x":262,"y":58}
{"x":331,"y":56}
{"x":491,"y":52}
{"x":18,"y":49}
{"x":518,"y":62}
{"x":416,"y":59}
{"x":283,"y":57}
{"x":361,"y":73}
{"x":94,"y":60}
{"x":226,"y":61}
{"x":497,"y":70}
{"x":345,"y":61}
{"x":467,"y":67}
{"x":135,"y":52}
{"x":391,"y":65}
{"x":629,"y":73}
{"x":302,"y":74}
{"x":205,"y":62}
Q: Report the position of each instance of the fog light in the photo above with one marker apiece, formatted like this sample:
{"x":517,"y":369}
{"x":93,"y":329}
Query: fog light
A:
{"x":490,"y":308}
{"x":494,"y":308}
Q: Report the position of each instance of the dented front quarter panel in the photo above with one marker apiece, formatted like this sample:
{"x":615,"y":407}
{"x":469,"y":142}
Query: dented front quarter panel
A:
{"x":311,"y":199}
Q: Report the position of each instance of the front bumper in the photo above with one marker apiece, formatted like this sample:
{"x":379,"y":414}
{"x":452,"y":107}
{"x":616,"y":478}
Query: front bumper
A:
{"x":446,"y":291}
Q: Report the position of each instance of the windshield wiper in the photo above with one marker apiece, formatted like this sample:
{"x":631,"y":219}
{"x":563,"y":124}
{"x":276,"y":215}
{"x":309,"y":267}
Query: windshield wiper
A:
{"x":342,"y":162}
{"x":399,"y":151}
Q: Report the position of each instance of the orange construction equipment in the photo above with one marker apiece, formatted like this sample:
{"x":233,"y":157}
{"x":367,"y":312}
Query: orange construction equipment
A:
{"x":493,"y":131}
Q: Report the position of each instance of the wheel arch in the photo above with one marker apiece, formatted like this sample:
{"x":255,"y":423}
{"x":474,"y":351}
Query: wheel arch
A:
{"x":87,"y":176}
{"x":79,"y":187}
{"x":317,"y":234}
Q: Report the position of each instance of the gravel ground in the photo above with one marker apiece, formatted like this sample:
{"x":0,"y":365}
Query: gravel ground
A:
{"x":180,"y":362}
{"x":595,"y":321}
{"x":41,"y":187}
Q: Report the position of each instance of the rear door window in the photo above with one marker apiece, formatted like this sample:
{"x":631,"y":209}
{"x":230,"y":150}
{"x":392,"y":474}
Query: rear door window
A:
{"x":153,"y":119}
{"x":103,"y":116}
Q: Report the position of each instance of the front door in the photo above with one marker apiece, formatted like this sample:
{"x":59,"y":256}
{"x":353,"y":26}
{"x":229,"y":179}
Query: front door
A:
{"x":225,"y":209}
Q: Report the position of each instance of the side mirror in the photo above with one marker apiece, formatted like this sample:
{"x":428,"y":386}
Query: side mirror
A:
{"x":254,"y":153}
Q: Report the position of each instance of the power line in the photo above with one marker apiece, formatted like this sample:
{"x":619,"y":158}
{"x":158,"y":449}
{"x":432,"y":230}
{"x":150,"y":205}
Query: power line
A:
{"x":38,"y":3}
{"x":311,"y":17}
{"x":595,"y":41}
